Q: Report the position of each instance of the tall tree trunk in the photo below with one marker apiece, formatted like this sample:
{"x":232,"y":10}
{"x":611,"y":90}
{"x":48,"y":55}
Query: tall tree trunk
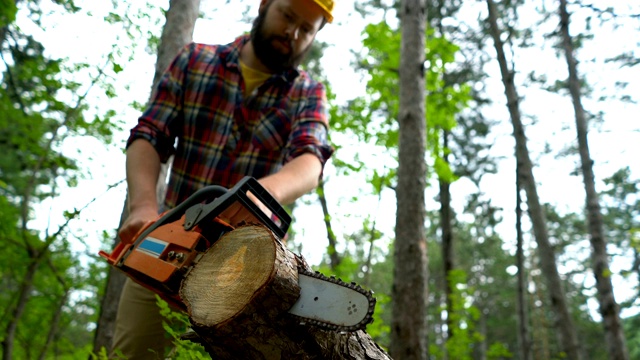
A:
{"x":564,"y":324}
{"x":105,"y":328}
{"x":334,"y":257}
{"x":177,"y":32}
{"x":55,"y":323}
{"x":373,"y":236}
{"x":481,"y":349}
{"x":23,"y":296}
{"x":523,"y":322}
{"x":409,"y":321}
{"x":446,"y":227}
{"x":540,"y":343}
{"x":613,"y":331}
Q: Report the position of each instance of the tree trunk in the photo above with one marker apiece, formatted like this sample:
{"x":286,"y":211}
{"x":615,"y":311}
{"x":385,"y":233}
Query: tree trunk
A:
{"x":540,"y":327}
{"x":55,"y":324}
{"x":410,"y":291}
{"x":614,"y":334}
{"x":238,"y":296}
{"x":23,"y":297}
{"x":564,"y":324}
{"x":446,"y":227}
{"x":105,"y":328}
{"x":334,"y":257}
{"x":481,"y":348}
{"x":177,"y":32}
{"x":523,"y":321}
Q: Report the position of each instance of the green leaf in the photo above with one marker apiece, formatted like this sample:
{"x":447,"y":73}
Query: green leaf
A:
{"x":117,"y":68}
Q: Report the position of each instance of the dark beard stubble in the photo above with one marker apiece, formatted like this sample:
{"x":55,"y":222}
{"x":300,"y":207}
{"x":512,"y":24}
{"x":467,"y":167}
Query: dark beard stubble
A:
{"x":268,"y":55}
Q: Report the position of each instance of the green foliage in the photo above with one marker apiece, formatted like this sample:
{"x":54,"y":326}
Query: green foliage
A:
{"x":372,"y":118}
{"x":462,"y":318}
{"x":631,"y":325}
{"x":104,"y":355}
{"x":176,"y":324}
{"x":8,"y":10}
{"x":621,"y":216}
{"x":51,"y":285}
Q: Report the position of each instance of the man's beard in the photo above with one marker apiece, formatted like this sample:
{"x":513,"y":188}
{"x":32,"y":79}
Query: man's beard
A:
{"x":270,"y":56}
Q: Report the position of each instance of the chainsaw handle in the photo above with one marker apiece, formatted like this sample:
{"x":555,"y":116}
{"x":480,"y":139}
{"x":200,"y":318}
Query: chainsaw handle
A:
{"x":279,"y":223}
{"x":195,"y":211}
{"x":176,"y":213}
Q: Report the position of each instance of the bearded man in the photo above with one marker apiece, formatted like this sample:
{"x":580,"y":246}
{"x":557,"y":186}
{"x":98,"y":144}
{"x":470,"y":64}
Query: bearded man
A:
{"x":225,"y":112}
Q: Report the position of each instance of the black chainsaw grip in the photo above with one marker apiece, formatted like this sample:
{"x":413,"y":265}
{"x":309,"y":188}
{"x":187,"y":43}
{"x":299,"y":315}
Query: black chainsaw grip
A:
{"x":280,"y":220}
{"x":220,"y":199}
{"x":278,"y":223}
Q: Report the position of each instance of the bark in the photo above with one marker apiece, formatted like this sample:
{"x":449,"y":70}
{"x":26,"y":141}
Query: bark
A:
{"x":409,"y":293}
{"x":564,"y":324}
{"x":523,"y":321}
{"x":238,"y":296}
{"x":609,"y":309}
{"x":177,"y":32}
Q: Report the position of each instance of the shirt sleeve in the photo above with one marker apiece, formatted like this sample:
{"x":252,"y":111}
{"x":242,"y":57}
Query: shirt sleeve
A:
{"x":160,"y":122}
{"x":309,"y":133}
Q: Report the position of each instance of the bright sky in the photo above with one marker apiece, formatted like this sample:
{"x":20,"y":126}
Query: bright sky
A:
{"x":615,"y":145}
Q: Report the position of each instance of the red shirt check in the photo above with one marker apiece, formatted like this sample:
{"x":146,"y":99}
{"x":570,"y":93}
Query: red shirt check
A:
{"x":199,"y":114}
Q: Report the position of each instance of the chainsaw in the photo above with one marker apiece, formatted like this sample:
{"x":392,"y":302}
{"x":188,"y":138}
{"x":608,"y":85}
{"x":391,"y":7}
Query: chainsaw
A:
{"x":164,"y":251}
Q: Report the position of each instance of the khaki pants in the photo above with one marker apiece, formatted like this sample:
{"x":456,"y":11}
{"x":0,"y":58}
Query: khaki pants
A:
{"x":138,"y":332}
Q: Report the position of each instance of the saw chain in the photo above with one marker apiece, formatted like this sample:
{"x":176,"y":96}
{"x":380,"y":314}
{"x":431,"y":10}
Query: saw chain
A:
{"x":322,"y":322}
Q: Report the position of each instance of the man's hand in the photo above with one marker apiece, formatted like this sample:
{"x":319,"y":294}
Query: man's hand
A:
{"x":295,"y":178}
{"x":136,"y":220}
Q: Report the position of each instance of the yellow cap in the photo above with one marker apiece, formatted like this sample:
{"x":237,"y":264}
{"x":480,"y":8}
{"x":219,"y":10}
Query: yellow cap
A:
{"x":327,"y":8}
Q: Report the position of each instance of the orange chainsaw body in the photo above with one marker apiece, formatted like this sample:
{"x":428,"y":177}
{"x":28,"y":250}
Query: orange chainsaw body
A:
{"x":164,"y":251}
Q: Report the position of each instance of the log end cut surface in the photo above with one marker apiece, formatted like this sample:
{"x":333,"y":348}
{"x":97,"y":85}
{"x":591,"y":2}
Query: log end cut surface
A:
{"x":229,"y":274}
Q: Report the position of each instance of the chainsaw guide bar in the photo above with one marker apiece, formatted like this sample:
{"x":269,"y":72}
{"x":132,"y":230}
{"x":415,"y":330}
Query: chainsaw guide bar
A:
{"x":332,"y":304}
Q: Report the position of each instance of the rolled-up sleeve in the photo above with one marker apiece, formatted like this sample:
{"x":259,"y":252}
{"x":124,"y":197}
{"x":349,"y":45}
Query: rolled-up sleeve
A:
{"x":310,"y":128}
{"x":160,"y":122}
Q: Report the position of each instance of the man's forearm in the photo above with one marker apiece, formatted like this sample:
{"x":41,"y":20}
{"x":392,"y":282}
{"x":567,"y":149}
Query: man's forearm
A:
{"x":143,"y":168}
{"x":295,"y":179}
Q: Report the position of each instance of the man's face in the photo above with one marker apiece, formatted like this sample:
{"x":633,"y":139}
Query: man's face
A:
{"x":283,"y":32}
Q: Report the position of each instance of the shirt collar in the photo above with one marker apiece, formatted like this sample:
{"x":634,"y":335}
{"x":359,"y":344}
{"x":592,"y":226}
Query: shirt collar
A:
{"x":231,"y":57}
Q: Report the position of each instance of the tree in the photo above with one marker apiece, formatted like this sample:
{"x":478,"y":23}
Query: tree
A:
{"x":563,"y":319}
{"x":621,"y":212}
{"x":42,"y":110}
{"x":177,"y":32}
{"x":614,"y":333}
{"x":409,"y":327}
{"x":523,"y":316}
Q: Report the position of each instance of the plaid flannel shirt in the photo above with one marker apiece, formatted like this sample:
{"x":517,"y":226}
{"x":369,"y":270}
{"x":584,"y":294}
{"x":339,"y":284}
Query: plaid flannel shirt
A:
{"x":222,"y":136}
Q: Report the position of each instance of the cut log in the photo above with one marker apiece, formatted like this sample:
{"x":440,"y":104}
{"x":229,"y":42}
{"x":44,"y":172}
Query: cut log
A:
{"x":238,"y":296}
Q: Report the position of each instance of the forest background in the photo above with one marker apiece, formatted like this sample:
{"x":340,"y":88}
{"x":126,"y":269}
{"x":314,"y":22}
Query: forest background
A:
{"x":76,"y":74}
